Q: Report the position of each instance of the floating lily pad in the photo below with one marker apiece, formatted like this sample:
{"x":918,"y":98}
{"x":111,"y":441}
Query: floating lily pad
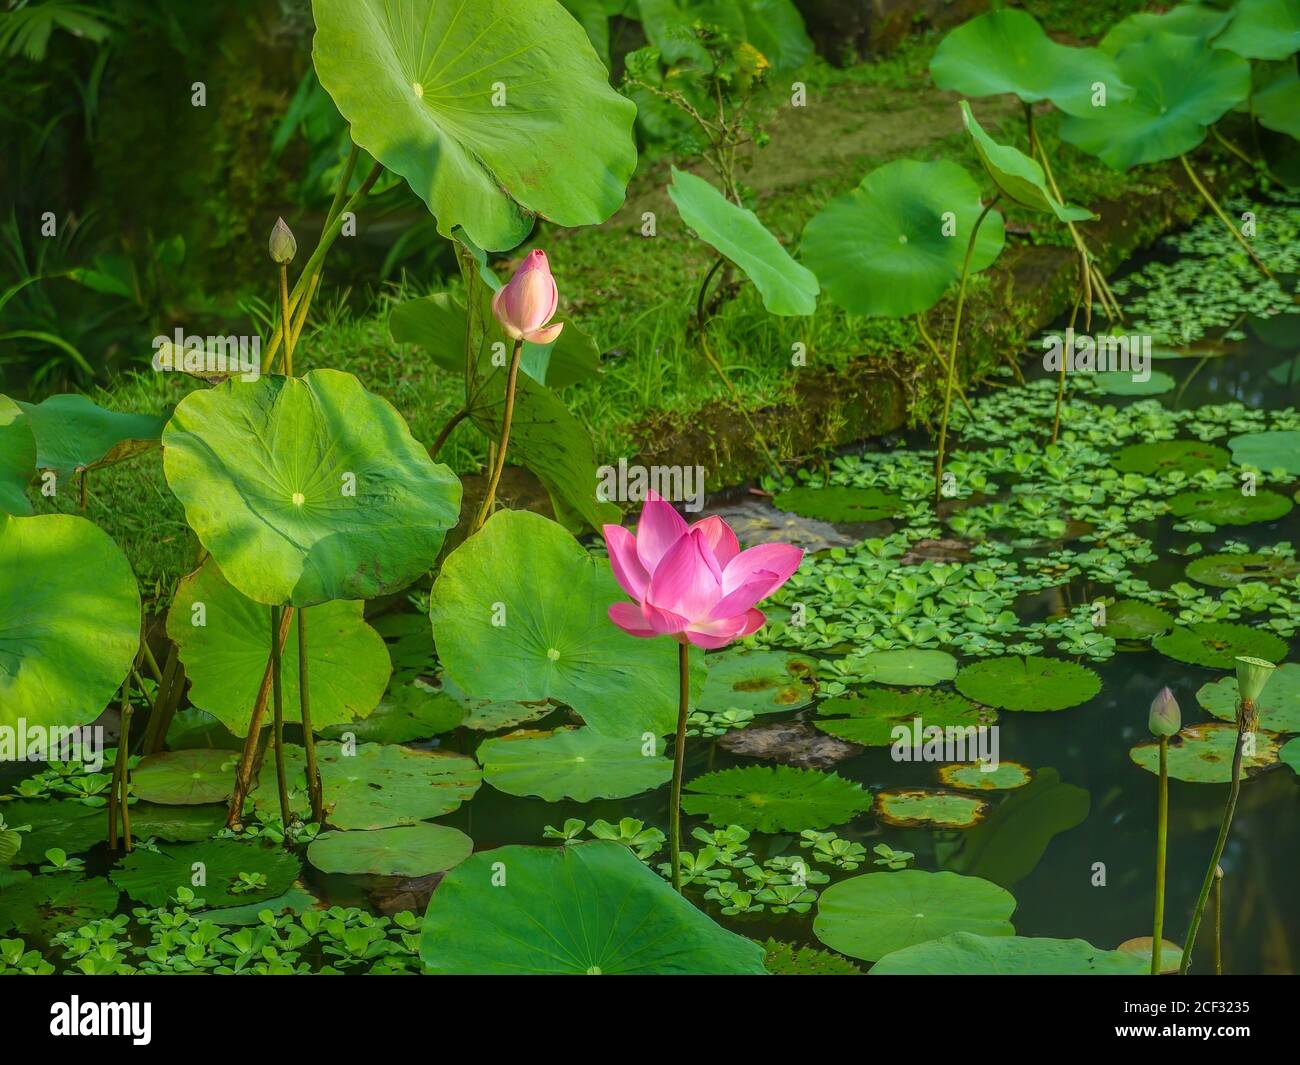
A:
{"x":1166,"y":456}
{"x":411,"y":709}
{"x":975,"y":777}
{"x":928,"y":808}
{"x":762,"y":682}
{"x":411,"y":850}
{"x":296,"y":900}
{"x":910,"y":667}
{"x":17,"y":458}
{"x":74,"y":434}
{"x":1227,"y":571}
{"x":966,"y":954}
{"x":1218,"y":644}
{"x":71,"y":826}
{"x":1227,"y":506}
{"x":786,"y":959}
{"x":210,"y":869}
{"x":875,"y":914}
{"x":1202,"y":754}
{"x":1132,"y":619}
{"x":836,"y":503}
{"x":489,"y":716}
{"x":1268,"y":451}
{"x":185,"y":778}
{"x":573,"y":763}
{"x":873,"y":717}
{"x":775,"y":798}
{"x":1123,"y":383}
{"x":307,"y":489}
{"x":176,"y":824}
{"x":1171,"y":954}
{"x":43,"y":906}
{"x":590,"y":909}
{"x":1028,"y":683}
{"x":1279,"y":705}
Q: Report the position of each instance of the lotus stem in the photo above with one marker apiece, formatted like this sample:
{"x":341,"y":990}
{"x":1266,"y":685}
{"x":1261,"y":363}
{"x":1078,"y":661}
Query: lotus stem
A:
{"x":247,"y":761}
{"x":314,"y":790}
{"x":159,"y":717}
{"x":1218,"y":921}
{"x":499,"y":464}
{"x":700,"y":318}
{"x":1162,"y":832}
{"x":124,"y":758}
{"x":943,"y":363}
{"x":446,"y":431}
{"x":81,"y":490}
{"x":277,"y":688}
{"x":952,"y":348}
{"x":1214,"y":206}
{"x":1085,"y":294}
{"x":679,"y":762}
{"x":286,"y":319}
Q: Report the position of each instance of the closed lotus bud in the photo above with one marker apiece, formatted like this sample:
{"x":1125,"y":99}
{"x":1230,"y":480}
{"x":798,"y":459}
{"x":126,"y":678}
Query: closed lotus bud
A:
{"x":1252,"y":675}
{"x":1165,"y":718}
{"x":283,"y":246}
{"x":526,"y":304}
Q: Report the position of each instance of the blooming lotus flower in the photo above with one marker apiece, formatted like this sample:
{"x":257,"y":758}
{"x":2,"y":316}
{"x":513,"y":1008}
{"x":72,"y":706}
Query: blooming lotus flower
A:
{"x":1165,"y":718}
{"x":527,"y":302}
{"x":692,"y":582}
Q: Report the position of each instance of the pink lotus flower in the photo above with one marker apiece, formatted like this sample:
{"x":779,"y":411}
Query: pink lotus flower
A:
{"x":692,"y":582}
{"x":527,"y":302}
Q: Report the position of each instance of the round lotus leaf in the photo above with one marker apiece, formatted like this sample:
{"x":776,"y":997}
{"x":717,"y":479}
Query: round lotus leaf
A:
{"x":176,"y":824}
{"x":1165,"y":456}
{"x":17,"y":458}
{"x":520,"y":612}
{"x":410,"y":642}
{"x":69,"y":620}
{"x":1202,"y":754}
{"x":1268,"y":451}
{"x":573,"y":763}
{"x":1006,"y":51}
{"x":154,"y":877}
{"x":1290,"y":754}
{"x":307,"y":489}
{"x":378,"y":786}
{"x":224,"y":639}
{"x":43,"y":906}
{"x":591,"y":909}
{"x":1031,"y":682}
{"x":872,"y":915}
{"x":786,"y":959}
{"x":775,"y":798}
{"x":185,"y":778}
{"x":1227,"y":571}
{"x":410,"y":850}
{"x":411,"y":709}
{"x":1180,"y":87}
{"x":1279,"y":704}
{"x":296,"y":900}
{"x":1218,"y":644}
{"x":1123,"y":383}
{"x":489,"y":128}
{"x":907,"y":667}
{"x":838,"y":503}
{"x":966,"y":954}
{"x":1228,"y":506}
{"x":1132,"y":619}
{"x":74,"y":434}
{"x":1018,"y":177}
{"x":889,"y":248}
{"x":762,"y":682}
{"x":1262,"y":29}
{"x":485,"y":715}
{"x":873,"y":717}
{"x":71,"y":826}
{"x":735,"y":233}
{"x":1194,"y":20}
{"x":1277,"y":107}
{"x":1171,"y":954}
{"x":975,"y":777}
{"x":928,"y":808}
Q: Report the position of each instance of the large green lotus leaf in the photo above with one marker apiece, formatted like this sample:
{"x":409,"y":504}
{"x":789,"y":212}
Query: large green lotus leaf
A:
{"x":1031,"y":682}
{"x":1018,"y":177}
{"x":378,"y":786}
{"x":591,"y":909}
{"x":1267,"y":451}
{"x":872,"y":717}
{"x":307,"y":489}
{"x":74,"y":434}
{"x":154,"y":877}
{"x":1279,"y":705}
{"x":968,"y":954}
{"x":735,"y":233}
{"x":17,"y":458}
{"x":774,"y":27}
{"x":69,"y":620}
{"x":775,"y":798}
{"x":762,"y":682}
{"x":1166,"y":456}
{"x":1277,"y":106}
{"x":44,"y":906}
{"x":1123,"y":383}
{"x":1181,"y":87}
{"x":555,"y":640}
{"x":225,"y":657}
{"x":872,"y":915}
{"x":890,"y":247}
{"x":1262,"y":29}
{"x":410,"y":643}
{"x":185,"y":778}
{"x":409,"y":850}
{"x":909,"y":666}
{"x":1228,"y":506}
{"x":1199,"y":21}
{"x":410,"y":710}
{"x":71,"y":826}
{"x":1006,"y":51}
{"x":1005,"y":776}
{"x":296,"y":900}
{"x":176,"y":824}
{"x":1202,"y":754}
{"x":573,"y":763}
{"x":1218,"y":644}
{"x":1132,"y":619}
{"x":928,"y":808}
{"x":838,"y":503}
{"x":1227,"y":571}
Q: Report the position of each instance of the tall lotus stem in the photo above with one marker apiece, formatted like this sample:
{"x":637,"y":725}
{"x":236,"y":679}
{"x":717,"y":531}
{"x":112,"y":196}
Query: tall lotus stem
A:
{"x":500,"y":464}
{"x":314,"y":789}
{"x":244,"y":774}
{"x":277,"y":687}
{"x":1162,"y":832}
{"x":679,"y":763}
{"x":1214,"y":206}
{"x":1218,"y":920}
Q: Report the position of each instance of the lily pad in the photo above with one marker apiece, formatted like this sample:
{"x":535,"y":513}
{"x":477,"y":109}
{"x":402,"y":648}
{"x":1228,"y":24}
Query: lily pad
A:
{"x":573,"y":763}
{"x":185,"y":778}
{"x":928,"y":808}
{"x":762,"y":682}
{"x":71,"y":826}
{"x":1132,"y":619}
{"x":411,"y":850}
{"x":910,"y":667}
{"x":775,"y":798}
{"x":1218,"y":644}
{"x":17,"y":458}
{"x":210,"y":869}
{"x":176,"y":824}
{"x":73,"y":434}
{"x":410,"y":710}
{"x":590,"y":909}
{"x":1268,"y":451}
{"x":872,"y":717}
{"x":1123,"y":383}
{"x":967,"y":954}
{"x":1279,"y":705}
{"x":1227,"y":571}
{"x":875,"y":914}
{"x":837,"y":503}
{"x":307,"y":489}
{"x":490,"y":129}
{"x":296,"y":900}
{"x":1227,"y":506}
{"x":1166,"y":456}
{"x":1202,"y":754}
{"x":485,"y":715}
{"x":69,"y":620}
{"x":1028,"y":683}
{"x":973,"y":776}
{"x":44,"y":906}
{"x":1171,"y":954}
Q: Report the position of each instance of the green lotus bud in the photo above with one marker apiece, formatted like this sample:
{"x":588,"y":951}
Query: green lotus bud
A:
{"x":1252,"y":675}
{"x":283,"y":246}
{"x":1165,"y":718}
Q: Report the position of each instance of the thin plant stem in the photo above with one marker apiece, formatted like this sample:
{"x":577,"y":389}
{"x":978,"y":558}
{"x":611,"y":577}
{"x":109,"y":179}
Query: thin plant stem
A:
{"x":314,"y":790}
{"x":124,"y":757}
{"x":679,"y":762}
{"x":286,"y":319}
{"x":1060,"y":377}
{"x":1214,"y":206}
{"x":446,"y":431}
{"x":277,"y":688}
{"x":150,"y":660}
{"x":943,"y":364}
{"x":1218,"y":921}
{"x":155,"y":731}
{"x":499,"y":464}
{"x":82,"y":497}
{"x":1162,"y":830}
{"x":249,"y":759}
{"x":704,"y":291}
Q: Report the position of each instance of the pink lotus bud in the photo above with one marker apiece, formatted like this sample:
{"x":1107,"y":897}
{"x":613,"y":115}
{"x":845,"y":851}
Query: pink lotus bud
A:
{"x":1165,"y":718}
{"x":527,"y":303}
